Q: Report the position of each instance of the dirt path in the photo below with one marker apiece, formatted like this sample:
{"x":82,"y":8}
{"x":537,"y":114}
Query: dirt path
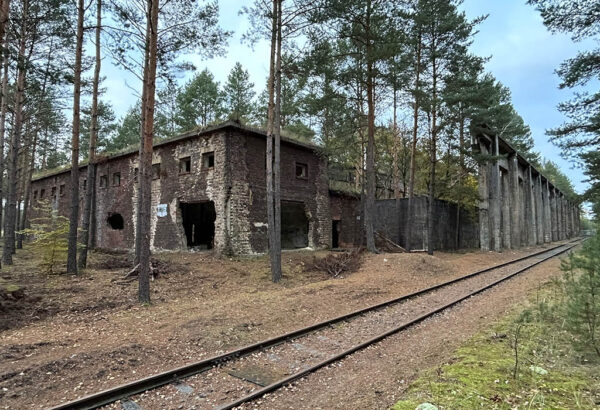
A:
{"x":96,"y":336}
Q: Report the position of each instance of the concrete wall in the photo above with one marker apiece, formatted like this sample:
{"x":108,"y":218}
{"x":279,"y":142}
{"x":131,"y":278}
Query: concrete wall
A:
{"x":518,"y":205}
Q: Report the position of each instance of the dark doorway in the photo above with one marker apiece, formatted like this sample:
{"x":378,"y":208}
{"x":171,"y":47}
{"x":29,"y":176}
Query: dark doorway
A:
{"x":199,"y":224}
{"x":335,"y":234}
{"x":294,"y":225}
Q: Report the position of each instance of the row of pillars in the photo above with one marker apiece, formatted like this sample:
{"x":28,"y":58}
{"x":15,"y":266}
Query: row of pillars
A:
{"x":518,"y":206}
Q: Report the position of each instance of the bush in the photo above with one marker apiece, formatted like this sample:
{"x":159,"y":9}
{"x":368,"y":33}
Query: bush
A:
{"x":50,"y":236}
{"x":335,"y":265}
{"x":583,"y":295}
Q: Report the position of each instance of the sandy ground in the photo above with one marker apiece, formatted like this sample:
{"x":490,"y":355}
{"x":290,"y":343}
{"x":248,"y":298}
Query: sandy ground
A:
{"x":73,"y":336}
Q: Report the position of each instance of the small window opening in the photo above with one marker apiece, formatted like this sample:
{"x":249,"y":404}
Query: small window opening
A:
{"x":115,"y":221}
{"x":301,"y":170}
{"x":116,"y":179}
{"x":35,"y":194}
{"x":42,"y":193}
{"x":103,"y":181}
{"x":84,"y":184}
{"x":185,"y":165}
{"x":155,"y":171}
{"x":62,"y":190}
{"x":135,"y":174}
{"x":53,"y":191}
{"x":208,"y":160}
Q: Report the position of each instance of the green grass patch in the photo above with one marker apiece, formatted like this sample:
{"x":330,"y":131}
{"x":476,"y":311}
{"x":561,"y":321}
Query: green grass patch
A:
{"x":481,"y":373}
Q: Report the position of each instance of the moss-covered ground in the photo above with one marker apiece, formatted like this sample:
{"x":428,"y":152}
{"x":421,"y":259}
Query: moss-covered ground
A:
{"x":481,"y":374}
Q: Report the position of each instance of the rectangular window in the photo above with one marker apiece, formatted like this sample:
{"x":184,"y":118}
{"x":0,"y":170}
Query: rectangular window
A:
{"x":84,"y":184}
{"x":42,"y":193}
{"x":62,"y":190}
{"x":35,"y":194}
{"x":185,"y":165}
{"x":208,"y":160}
{"x":155,"y":171}
{"x":301,"y":170}
{"x":103,"y":181}
{"x":135,"y":174}
{"x":116,"y":179}
{"x":53,"y":192}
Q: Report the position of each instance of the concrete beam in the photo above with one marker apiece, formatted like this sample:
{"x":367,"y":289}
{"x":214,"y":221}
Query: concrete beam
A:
{"x":539,"y":209}
{"x":506,"y":214}
{"x":495,"y":201}
{"x":547,"y":214}
{"x":530,"y":214}
{"x":484,"y":200}
{"x":554,"y":214}
{"x":515,"y":201}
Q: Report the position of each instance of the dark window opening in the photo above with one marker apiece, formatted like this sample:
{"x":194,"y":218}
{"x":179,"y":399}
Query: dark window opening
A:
{"x":208,"y":160}
{"x":294,"y":225}
{"x":103,"y":181}
{"x":185,"y":165}
{"x":42,"y":193}
{"x":62,"y":190}
{"x":155,"y":171}
{"x":335,"y":234}
{"x":115,"y":221}
{"x":84,"y":184}
{"x":135,"y":174}
{"x":116,"y":179}
{"x":199,"y":224}
{"x":53,"y":192}
{"x":35,"y":194}
{"x":301,"y":170}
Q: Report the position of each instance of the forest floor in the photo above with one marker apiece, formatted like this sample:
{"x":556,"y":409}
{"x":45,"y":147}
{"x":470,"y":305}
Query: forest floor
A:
{"x":62,"y":337}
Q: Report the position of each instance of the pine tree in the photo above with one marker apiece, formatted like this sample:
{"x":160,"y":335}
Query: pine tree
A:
{"x":200,"y":102}
{"x":238,"y":94}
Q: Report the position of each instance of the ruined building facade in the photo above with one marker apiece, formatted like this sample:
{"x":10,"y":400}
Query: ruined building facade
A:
{"x":208,"y":191}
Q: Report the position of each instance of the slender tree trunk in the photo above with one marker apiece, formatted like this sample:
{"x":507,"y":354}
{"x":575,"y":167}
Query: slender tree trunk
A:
{"x":27,"y":194}
{"x":91,"y":168}
{"x":269,"y":150}
{"x":3,"y":106}
{"x":370,"y":200}
{"x":413,"y":148}
{"x":433,"y":160}
{"x":276,"y":248}
{"x":461,"y":162}
{"x":11,"y":201}
{"x":145,"y":179}
{"x":74,"y":218}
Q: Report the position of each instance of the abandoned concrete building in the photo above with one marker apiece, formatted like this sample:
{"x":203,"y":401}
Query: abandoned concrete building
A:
{"x":208,"y":192}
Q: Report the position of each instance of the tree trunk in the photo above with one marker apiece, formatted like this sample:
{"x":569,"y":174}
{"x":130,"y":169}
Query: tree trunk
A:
{"x":433,"y":160}
{"x":370,"y":200}
{"x":27,"y":189}
{"x":145,"y":177}
{"x":74,"y":217}
{"x":4,"y":13}
{"x":276,"y":249}
{"x":15,"y":138}
{"x":275,"y":275}
{"x":413,"y":148}
{"x":91,"y":168}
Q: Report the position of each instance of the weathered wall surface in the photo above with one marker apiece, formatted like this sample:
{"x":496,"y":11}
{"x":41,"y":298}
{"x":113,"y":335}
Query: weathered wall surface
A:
{"x":392,"y":220}
{"x":345,"y":209}
{"x":235,"y":184}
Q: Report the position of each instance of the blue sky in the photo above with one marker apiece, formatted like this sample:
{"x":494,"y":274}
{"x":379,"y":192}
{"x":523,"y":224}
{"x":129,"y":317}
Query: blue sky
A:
{"x":523,"y":54}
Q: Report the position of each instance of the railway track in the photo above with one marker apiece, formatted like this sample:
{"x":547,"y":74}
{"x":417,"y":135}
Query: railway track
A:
{"x":228,"y":380}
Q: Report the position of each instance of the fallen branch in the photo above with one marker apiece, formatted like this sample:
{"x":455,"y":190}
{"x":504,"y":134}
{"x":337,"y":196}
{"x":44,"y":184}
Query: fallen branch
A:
{"x":391,"y":245}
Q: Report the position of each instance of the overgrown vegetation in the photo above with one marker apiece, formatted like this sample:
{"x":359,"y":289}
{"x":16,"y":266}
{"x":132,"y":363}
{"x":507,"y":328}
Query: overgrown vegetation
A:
{"x":543,"y":356}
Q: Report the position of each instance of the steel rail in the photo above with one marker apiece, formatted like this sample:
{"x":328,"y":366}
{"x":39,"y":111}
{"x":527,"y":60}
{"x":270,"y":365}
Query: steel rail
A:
{"x":283,"y":382}
{"x":111,"y":395}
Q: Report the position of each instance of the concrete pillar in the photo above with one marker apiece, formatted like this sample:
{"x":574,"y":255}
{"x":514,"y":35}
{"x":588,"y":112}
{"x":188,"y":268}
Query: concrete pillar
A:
{"x":530,"y":216}
{"x":484,"y":200}
{"x":568,"y":221}
{"x":547,"y":214}
{"x":495,"y":201}
{"x":515,"y":201}
{"x":506,"y":216}
{"x":561,"y":220}
{"x":539,"y":209}
{"x":554,"y":215}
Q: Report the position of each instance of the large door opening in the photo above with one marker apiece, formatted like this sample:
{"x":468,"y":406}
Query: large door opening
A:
{"x":199,"y":224}
{"x":335,"y":234}
{"x":294,"y":225}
